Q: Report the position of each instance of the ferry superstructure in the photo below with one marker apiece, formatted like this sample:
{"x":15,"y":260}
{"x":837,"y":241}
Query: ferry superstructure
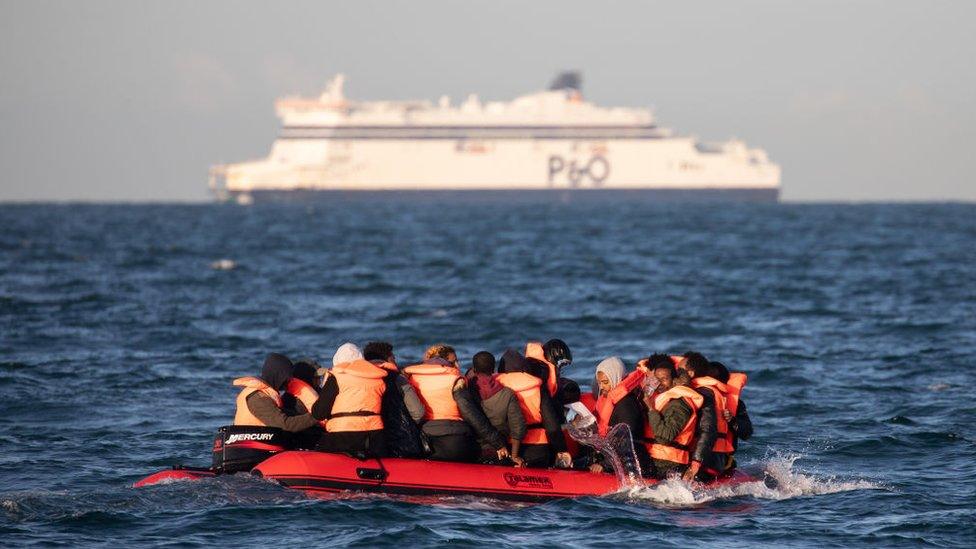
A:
{"x":547,"y":140}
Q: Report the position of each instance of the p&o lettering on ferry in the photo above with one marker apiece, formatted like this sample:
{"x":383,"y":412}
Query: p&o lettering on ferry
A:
{"x":594,"y":171}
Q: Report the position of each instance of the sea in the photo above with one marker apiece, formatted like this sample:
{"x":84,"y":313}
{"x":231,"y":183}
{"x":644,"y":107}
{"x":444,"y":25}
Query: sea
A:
{"x":122,"y":326}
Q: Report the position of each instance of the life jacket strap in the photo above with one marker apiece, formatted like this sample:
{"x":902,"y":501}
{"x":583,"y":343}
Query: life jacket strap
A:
{"x":672,"y":444}
{"x":360,"y":413}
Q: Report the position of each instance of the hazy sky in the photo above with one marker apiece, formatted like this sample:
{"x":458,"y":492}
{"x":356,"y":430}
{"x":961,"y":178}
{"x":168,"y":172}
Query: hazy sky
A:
{"x":132,"y":100}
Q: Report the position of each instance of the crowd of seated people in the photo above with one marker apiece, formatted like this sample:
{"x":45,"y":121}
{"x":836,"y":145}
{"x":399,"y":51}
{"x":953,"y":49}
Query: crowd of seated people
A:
{"x":684,"y":413}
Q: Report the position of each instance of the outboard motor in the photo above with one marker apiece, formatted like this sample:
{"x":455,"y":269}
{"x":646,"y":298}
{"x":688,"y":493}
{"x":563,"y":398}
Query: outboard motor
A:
{"x":241,"y":447}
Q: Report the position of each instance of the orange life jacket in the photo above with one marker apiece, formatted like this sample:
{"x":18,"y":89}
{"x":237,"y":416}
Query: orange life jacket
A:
{"x":252,"y":384}
{"x":528,"y":390}
{"x":723,"y":442}
{"x":677,"y":450}
{"x":358,"y":405}
{"x":676,"y":359}
{"x":533,"y":349}
{"x":606,"y":404}
{"x":726,"y":398}
{"x":304,"y":393}
{"x":434,"y":384}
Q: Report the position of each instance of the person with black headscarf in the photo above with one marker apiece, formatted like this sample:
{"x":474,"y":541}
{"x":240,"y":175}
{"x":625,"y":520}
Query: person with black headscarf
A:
{"x":260,"y":403}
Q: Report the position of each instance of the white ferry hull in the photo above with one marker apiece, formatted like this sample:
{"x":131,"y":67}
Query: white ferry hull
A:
{"x":543,"y":142}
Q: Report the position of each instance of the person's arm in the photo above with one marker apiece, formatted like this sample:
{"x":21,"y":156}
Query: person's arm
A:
{"x":415,"y":407}
{"x":667,"y":424}
{"x":474,"y":416}
{"x":516,"y":420}
{"x":322,"y":409}
{"x":551,"y":424}
{"x":265,"y":409}
{"x":741,"y":423}
{"x":706,"y":434}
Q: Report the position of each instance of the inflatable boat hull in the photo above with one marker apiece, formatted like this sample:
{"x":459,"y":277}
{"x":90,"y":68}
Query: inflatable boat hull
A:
{"x":323,"y":473}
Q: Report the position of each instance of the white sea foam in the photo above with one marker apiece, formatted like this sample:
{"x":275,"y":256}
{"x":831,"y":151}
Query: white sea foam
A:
{"x":224,"y":265}
{"x":778,"y":481}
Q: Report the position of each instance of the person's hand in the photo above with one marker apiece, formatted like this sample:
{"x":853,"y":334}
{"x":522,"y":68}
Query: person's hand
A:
{"x":691,"y":472}
{"x":644,"y":366}
{"x":503,"y":453}
{"x":519,"y":462}
{"x":727,"y":415}
{"x":564,"y":460}
{"x":596,"y":468}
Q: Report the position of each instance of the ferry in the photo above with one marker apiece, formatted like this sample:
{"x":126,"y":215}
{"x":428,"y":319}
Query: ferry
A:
{"x":539,"y":143}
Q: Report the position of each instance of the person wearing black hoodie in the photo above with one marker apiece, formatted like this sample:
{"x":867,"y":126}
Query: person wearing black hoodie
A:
{"x":535,"y":454}
{"x":276,"y":372}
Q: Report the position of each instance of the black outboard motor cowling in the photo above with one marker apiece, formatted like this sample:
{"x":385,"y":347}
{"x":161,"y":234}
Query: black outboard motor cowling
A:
{"x":241,"y":447}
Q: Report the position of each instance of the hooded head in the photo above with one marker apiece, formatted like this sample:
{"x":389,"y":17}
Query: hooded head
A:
{"x":277,"y":371}
{"x":611,"y":367}
{"x":347,"y":352}
{"x":512,"y":361}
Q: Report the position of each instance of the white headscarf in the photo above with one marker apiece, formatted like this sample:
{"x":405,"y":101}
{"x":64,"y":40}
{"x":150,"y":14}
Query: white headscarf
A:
{"x":347,"y":352}
{"x":613,"y":368}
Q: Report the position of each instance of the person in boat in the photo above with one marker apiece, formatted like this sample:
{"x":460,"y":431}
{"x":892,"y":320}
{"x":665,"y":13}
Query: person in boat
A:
{"x":305,"y":370}
{"x":260,"y":404}
{"x":703,"y":461}
{"x":618,"y":402}
{"x":673,"y":413}
{"x":543,"y":444}
{"x":351,"y":403}
{"x":724,"y":388}
{"x":499,"y":404}
{"x":453,"y":422}
{"x":402,"y":408}
{"x":739,"y":420}
{"x":554,"y":355}
{"x":300,"y":394}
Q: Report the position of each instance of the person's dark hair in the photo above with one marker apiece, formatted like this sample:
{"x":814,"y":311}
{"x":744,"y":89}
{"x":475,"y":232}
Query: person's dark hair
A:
{"x":556,"y":350}
{"x":659,"y":361}
{"x":483,"y":362}
{"x":696,"y":364}
{"x":719,"y":371}
{"x":377,"y":350}
{"x":305,"y":370}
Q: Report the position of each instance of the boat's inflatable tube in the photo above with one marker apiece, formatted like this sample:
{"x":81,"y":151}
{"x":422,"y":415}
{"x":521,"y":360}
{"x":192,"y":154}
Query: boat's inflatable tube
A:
{"x":176,"y":473}
{"x":319,"y":472}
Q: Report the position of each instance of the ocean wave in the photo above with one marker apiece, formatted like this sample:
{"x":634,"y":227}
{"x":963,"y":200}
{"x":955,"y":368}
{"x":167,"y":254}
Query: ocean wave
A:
{"x":780,"y":480}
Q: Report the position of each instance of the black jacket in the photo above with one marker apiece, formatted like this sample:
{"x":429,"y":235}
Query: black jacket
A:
{"x":552,"y":422}
{"x":402,"y":433}
{"x":706,"y":432}
{"x":741,"y":424}
{"x":631,"y":412}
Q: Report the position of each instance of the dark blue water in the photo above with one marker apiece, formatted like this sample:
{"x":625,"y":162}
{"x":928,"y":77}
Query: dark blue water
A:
{"x":857,"y":325}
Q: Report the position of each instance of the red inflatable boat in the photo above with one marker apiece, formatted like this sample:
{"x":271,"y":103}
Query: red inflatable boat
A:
{"x":319,"y":472}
